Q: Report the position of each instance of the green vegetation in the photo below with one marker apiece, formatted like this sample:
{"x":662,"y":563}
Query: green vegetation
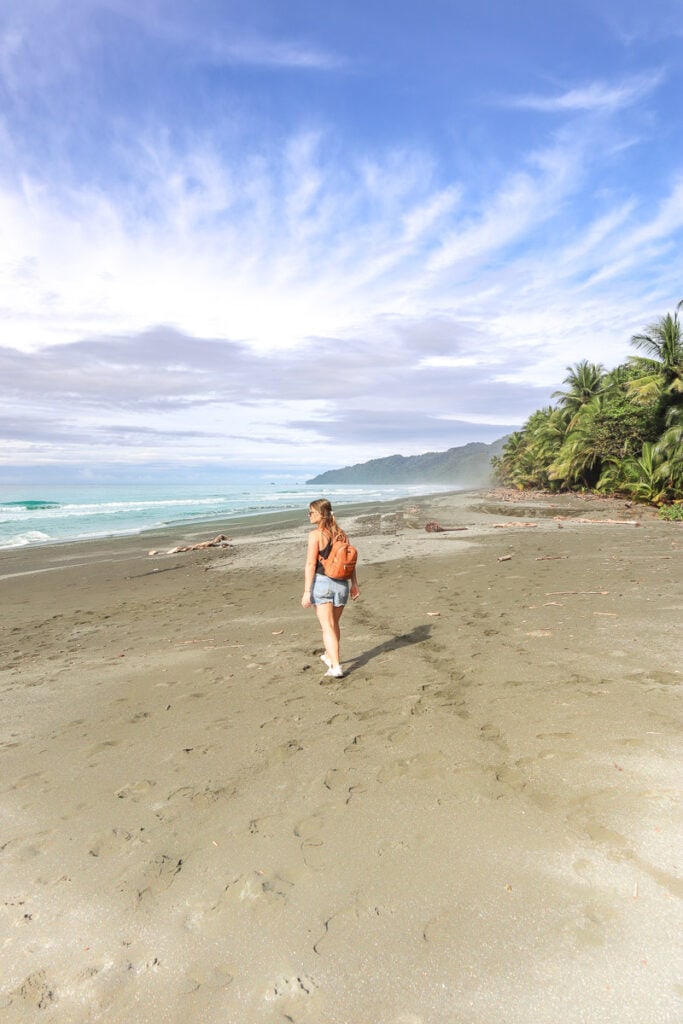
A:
{"x":674,"y":513}
{"x":615,"y":432}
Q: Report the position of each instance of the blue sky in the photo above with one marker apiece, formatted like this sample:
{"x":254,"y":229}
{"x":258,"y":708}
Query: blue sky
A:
{"x":293,"y":236}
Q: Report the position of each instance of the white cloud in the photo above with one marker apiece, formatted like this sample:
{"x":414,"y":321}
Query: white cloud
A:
{"x":269,"y":251}
{"x":275,"y":250}
{"x":264,"y":52}
{"x":598,"y":96}
{"x":226,"y":42}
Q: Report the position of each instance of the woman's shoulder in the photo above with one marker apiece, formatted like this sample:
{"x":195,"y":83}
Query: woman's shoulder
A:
{"x":322,"y":536}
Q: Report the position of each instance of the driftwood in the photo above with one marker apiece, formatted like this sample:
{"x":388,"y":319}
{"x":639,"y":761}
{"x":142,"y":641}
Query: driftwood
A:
{"x":511,"y":526}
{"x":434,"y":527}
{"x":613,"y":522}
{"x":582,"y":593}
{"x":221,"y":541}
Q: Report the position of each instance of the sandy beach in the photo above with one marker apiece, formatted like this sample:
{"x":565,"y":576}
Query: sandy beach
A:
{"x":479,"y":824}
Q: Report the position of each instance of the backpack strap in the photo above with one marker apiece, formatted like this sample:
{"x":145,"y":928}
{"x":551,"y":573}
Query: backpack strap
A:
{"x":321,"y":557}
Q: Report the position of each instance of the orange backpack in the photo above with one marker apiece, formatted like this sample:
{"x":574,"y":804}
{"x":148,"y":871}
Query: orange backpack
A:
{"x":340,"y":564}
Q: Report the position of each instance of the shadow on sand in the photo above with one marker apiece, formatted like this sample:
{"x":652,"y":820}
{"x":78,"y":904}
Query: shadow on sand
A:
{"x":416,"y":636}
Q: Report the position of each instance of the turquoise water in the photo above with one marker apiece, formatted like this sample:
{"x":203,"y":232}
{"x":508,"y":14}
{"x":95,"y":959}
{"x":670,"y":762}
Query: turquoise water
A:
{"x":52,"y":514}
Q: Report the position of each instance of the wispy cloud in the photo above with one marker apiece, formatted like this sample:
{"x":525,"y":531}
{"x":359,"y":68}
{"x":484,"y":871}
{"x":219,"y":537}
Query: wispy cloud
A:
{"x":231,"y":43}
{"x":271,"y":250}
{"x":272,"y":53}
{"x":597,"y":96}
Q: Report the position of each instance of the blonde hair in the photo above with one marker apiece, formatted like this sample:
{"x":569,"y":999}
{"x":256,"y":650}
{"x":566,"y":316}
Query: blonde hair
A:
{"x":328,"y":524}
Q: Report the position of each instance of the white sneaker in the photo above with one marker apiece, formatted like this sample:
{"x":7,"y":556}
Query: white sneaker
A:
{"x":323,"y":657}
{"x":335,"y":671}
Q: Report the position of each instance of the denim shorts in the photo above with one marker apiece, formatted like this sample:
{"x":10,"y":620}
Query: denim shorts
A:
{"x":328,"y":591}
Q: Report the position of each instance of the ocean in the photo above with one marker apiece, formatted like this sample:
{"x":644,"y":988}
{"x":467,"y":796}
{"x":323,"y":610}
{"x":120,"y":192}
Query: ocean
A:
{"x":55,"y":514}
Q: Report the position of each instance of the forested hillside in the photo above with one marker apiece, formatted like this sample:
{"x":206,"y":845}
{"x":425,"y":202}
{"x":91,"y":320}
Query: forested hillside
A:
{"x":466,"y":466}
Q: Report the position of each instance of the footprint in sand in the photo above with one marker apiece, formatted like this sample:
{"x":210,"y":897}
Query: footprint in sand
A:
{"x":492,"y":734}
{"x":135,"y":790}
{"x":337,"y":781}
{"x":35,"y":991}
{"x":343,"y":928}
{"x":273,"y":885}
{"x":29,"y":846}
{"x":265,"y":826}
{"x":114,"y":841}
{"x":29,"y":780}
{"x":215,"y":979}
{"x":420,"y":766}
{"x":101,"y":747}
{"x":444,"y":928}
{"x":175,"y":804}
{"x":203,"y":913}
{"x":310,"y":832}
{"x":510,"y":777}
{"x":309,"y":829}
{"x":265,"y":895}
{"x":282,"y":753}
{"x":158,"y":876}
{"x":294,"y":994}
{"x":587,"y":927}
{"x":139,"y":717}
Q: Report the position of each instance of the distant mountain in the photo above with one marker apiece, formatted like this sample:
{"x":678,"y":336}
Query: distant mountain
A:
{"x":466,"y":466}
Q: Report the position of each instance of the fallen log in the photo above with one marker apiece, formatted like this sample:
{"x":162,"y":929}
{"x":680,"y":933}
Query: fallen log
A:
{"x":221,"y":541}
{"x":612,"y":522}
{"x":434,"y":527}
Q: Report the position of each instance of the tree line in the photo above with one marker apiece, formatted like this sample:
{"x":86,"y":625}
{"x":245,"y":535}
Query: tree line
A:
{"x":617,"y":432}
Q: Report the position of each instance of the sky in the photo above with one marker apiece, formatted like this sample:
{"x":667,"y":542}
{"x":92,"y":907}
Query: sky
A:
{"x":288,"y":236}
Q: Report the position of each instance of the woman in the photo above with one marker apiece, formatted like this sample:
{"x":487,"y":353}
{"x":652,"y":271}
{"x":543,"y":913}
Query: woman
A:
{"x":327,"y":596}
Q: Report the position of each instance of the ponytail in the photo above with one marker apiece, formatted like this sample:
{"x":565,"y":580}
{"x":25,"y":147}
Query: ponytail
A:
{"x":327,"y":521}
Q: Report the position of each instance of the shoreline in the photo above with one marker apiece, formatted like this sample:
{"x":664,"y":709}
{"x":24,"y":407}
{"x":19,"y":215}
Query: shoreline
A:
{"x":53,"y":555}
{"x":238,"y":519}
{"x":479,"y":822}
{"x":57,"y":553}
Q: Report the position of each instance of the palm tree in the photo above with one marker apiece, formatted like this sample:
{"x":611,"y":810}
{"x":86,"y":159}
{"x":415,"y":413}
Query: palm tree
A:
{"x":585,"y":380}
{"x":661,"y":369}
{"x":529,"y":452}
{"x":507,"y":464}
{"x":579,"y":460}
{"x":518,"y":461}
{"x":669,"y":449}
{"x":545,"y":431}
{"x":645,"y":477}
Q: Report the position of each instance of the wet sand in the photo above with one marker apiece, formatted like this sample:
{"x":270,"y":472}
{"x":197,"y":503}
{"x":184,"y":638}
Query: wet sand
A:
{"x":479,"y":824}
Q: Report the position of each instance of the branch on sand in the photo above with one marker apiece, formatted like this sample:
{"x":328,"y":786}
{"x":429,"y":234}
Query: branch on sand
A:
{"x":613,"y":522}
{"x":434,"y":527}
{"x":512,"y":526}
{"x":221,"y":541}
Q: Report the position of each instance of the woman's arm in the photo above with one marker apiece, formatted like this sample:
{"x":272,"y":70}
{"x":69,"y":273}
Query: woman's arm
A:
{"x":311,"y":562}
{"x":355,"y":589}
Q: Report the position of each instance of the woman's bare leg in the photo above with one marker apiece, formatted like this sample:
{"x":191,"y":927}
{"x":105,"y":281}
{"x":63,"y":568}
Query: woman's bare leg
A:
{"x":328,"y":617}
